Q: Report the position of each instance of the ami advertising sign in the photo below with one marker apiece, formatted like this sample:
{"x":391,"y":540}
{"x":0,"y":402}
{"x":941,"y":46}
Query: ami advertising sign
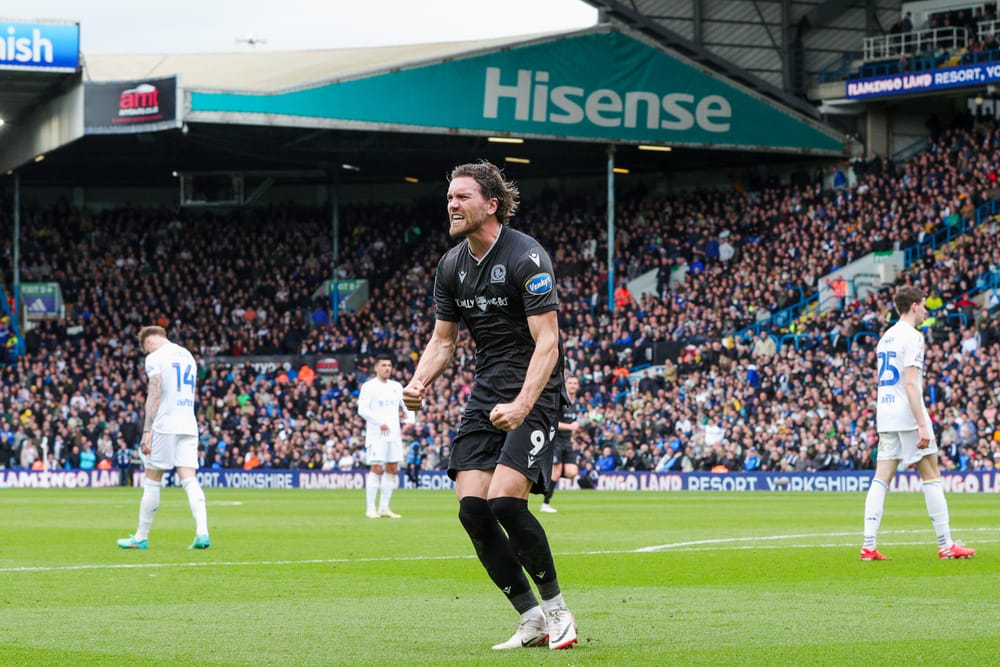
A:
{"x":130,"y":106}
{"x":39,"y":46}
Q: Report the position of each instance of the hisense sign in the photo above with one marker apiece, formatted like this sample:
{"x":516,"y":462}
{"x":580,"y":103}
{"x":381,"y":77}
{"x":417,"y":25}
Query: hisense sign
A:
{"x":533,"y":97}
{"x":603,"y":85}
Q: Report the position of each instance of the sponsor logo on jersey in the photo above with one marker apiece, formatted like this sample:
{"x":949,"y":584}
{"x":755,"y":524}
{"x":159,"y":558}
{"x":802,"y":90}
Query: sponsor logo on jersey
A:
{"x":481,"y":302}
{"x":538,"y":284}
{"x":498,"y":274}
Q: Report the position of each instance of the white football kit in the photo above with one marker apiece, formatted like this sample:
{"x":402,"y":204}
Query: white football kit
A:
{"x":379,"y":403}
{"x":900,"y":347}
{"x":174,"y":441}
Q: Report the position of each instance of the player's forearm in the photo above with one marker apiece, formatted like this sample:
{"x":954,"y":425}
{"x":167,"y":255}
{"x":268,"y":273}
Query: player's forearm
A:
{"x":437,"y":356}
{"x":152,"y":405}
{"x":543,"y":362}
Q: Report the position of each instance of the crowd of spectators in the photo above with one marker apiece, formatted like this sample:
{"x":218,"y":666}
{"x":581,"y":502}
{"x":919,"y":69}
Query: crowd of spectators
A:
{"x":251,"y":283}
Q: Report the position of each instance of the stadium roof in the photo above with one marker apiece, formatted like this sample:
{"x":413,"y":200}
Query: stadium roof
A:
{"x":276,"y":70}
{"x":23,"y":91}
{"x":234,"y":136}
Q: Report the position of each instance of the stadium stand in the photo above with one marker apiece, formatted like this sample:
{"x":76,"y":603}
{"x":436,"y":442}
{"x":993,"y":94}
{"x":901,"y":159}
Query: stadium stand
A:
{"x":240,"y":284}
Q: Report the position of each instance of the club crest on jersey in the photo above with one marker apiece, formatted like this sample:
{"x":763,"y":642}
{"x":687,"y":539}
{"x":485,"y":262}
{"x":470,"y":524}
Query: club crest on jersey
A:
{"x":498,"y":274}
{"x":538,"y":284}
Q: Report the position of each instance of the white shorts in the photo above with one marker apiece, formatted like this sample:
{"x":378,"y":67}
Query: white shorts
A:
{"x":902,"y":446}
{"x":170,"y":450}
{"x":384,"y":450}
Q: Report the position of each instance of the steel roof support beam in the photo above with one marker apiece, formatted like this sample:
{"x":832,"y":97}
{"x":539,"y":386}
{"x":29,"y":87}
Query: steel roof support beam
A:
{"x":632,"y":17}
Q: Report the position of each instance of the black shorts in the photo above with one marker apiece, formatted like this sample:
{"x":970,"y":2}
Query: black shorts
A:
{"x":563,"y":452}
{"x":528,"y":449}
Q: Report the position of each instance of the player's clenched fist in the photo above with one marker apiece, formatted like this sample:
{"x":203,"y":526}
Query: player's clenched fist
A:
{"x":507,"y":416}
{"x":413,"y":395}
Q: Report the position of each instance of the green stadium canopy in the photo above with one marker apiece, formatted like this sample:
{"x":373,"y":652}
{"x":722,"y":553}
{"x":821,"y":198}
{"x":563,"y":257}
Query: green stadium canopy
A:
{"x":603,"y":84}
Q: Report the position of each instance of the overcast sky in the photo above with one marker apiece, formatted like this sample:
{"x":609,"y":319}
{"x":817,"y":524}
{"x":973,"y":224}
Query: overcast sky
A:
{"x":188,"y":26}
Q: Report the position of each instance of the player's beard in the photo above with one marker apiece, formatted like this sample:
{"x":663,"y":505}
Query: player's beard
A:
{"x":470,"y":226}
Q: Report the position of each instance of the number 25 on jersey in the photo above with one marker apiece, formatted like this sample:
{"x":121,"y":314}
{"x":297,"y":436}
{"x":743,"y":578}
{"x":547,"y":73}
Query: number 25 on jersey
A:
{"x":888,"y":373}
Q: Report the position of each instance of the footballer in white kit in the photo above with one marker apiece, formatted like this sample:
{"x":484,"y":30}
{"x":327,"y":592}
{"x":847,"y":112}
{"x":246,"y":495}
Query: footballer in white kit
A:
{"x":380,"y":404}
{"x":175,"y":427}
{"x":906,"y":434}
{"x":169,"y":434}
{"x":901,"y":347}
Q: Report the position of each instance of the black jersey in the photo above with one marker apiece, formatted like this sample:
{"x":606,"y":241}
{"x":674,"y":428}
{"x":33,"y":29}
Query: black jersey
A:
{"x":568,"y":415}
{"x":493,"y":297}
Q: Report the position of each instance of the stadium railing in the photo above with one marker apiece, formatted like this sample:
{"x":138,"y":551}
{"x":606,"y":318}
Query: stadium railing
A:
{"x":859,"y":336}
{"x":961,"y":317}
{"x":908,"y":151}
{"x":948,"y":233}
{"x":879,"y":47}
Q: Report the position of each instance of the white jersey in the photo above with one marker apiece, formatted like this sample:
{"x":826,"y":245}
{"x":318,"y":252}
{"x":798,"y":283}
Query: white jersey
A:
{"x":178,"y":384}
{"x":900,"y":347}
{"x":379,"y":403}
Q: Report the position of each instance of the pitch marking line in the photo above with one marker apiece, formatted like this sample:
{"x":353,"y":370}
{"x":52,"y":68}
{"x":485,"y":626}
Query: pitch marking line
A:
{"x":679,"y":546}
{"x":736,"y":544}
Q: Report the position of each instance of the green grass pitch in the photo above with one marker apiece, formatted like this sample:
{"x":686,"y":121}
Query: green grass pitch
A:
{"x":303,"y":578}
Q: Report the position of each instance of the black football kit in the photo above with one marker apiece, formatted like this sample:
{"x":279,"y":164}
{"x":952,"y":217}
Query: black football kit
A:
{"x":493,"y":297}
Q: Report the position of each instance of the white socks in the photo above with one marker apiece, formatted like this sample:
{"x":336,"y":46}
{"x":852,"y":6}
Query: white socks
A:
{"x":553,"y":604}
{"x":372,"y":482}
{"x":388,"y":484}
{"x":937,"y":509}
{"x":147,"y":508}
{"x":533,"y":615}
{"x":874,"y":504}
{"x":196,"y":499}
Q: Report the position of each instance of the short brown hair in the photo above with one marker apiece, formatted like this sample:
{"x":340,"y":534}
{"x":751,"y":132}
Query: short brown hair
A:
{"x":146,"y":332}
{"x":906,"y":296}
{"x":493,"y":186}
